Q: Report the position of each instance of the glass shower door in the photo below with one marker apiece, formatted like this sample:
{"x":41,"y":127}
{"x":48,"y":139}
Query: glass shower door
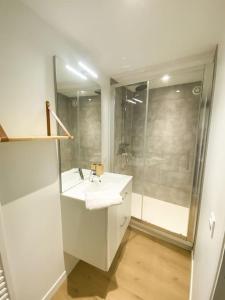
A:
{"x":130,"y":113}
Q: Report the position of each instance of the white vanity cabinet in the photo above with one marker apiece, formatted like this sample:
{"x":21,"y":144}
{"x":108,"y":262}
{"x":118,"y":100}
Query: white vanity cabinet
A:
{"x":94,"y":236}
{"x":118,"y":221}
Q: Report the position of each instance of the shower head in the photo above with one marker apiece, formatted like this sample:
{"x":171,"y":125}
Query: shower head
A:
{"x":98,"y":92}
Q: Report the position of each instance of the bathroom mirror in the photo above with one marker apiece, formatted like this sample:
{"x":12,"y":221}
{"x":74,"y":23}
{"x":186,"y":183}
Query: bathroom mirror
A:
{"x":78,"y":105}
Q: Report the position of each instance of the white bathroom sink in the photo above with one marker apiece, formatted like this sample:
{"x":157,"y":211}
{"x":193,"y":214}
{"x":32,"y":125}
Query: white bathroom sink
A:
{"x":77,"y":188}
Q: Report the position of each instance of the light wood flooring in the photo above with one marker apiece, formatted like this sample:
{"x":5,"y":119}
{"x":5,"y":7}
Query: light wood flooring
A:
{"x":144,"y":269}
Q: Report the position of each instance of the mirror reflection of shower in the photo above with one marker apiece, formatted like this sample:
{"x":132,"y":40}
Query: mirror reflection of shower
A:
{"x":79,"y":107}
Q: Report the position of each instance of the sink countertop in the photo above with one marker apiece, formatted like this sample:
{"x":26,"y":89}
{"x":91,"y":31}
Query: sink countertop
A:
{"x":75,"y":188}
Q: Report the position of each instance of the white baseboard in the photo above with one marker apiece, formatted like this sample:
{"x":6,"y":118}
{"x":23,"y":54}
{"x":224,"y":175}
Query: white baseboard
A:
{"x":55,"y":287}
{"x":70,"y":262}
{"x":191,"y":279}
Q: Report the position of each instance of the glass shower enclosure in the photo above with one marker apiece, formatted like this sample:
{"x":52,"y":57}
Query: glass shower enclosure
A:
{"x":160,"y":133}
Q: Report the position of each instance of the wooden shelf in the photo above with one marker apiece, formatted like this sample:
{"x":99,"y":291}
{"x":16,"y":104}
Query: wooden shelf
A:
{"x":36,"y":138}
{"x":4,"y":138}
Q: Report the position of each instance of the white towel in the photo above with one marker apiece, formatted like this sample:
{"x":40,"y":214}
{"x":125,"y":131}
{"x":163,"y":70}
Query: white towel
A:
{"x":103,"y":199}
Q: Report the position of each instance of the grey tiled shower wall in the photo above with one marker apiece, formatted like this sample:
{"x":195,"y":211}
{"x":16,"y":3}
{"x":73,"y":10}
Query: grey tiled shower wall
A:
{"x":163,"y":169}
{"x":90,"y":131}
{"x":67,"y":113}
{"x":83,"y":120}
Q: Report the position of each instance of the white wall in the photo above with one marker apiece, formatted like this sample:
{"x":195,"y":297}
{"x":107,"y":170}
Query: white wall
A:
{"x":207,"y":251}
{"x":219,"y":293}
{"x":29,"y":187}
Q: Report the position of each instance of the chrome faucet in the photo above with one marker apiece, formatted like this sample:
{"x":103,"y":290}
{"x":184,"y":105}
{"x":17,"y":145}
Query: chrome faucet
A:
{"x":80,"y":171}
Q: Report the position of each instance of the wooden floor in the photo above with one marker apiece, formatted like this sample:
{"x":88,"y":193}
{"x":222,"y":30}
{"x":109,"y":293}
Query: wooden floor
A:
{"x":144,"y":269}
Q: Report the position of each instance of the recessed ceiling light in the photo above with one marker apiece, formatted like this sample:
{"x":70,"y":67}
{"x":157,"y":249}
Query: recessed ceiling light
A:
{"x":137,"y":100}
{"x":165,"y":78}
{"x":177,"y":91}
{"x":87,"y":69}
{"x":76,"y":72}
{"x":89,"y":99}
{"x":131,"y":101}
{"x":82,"y":92}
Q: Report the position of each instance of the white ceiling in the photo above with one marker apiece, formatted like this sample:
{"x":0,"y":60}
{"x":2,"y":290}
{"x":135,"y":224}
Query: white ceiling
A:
{"x":175,"y":78}
{"x":124,"y":35}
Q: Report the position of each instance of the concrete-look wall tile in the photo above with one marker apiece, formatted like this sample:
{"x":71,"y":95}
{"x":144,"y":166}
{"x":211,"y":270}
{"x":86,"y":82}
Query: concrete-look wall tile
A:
{"x":86,"y":147}
{"x":170,"y":141}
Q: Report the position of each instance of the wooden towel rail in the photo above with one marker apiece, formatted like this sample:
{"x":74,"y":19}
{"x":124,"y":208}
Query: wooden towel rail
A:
{"x":5,"y":138}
